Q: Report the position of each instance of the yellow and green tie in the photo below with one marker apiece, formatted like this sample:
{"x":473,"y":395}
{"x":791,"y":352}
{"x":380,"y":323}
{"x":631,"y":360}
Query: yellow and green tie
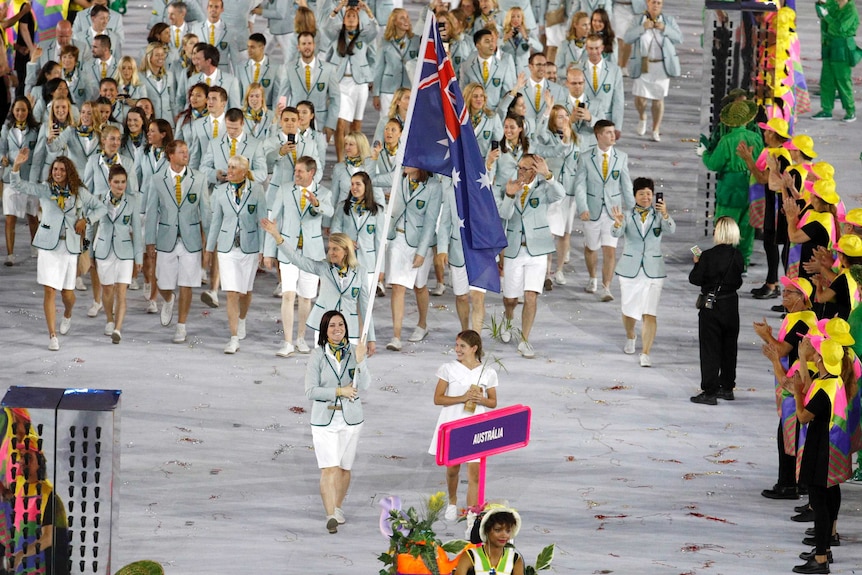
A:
{"x":256,"y":71}
{"x":232,"y":147}
{"x":215,"y":128}
{"x":595,"y":78}
{"x":212,"y":34}
{"x":179,"y":190}
{"x":308,"y":78}
{"x":524,"y":195}
{"x":538,"y":96}
{"x":605,"y":166}
{"x":104,"y":70}
{"x":485,"y":73}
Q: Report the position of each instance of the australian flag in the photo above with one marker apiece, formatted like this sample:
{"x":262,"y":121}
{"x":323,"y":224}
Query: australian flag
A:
{"x":440,"y":139}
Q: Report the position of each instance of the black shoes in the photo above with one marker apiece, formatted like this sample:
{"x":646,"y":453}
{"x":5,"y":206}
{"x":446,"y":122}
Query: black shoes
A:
{"x":705,"y":399}
{"x":725,"y":394}
{"x":779,"y":308}
{"x":812,"y":566}
{"x":809,"y":556}
{"x":834,"y":541}
{"x":804,"y":516}
{"x":766,"y":292}
{"x":781,"y":492}
{"x":802,"y":508}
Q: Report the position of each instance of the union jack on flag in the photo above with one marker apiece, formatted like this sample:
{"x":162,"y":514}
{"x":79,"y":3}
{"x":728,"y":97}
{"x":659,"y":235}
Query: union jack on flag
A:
{"x":440,"y":139}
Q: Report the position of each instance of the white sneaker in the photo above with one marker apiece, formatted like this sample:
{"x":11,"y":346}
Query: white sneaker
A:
{"x":34,"y":252}
{"x":109,"y":328}
{"x":439,"y":289}
{"x":286,"y":350}
{"x":65,"y":325}
{"x":394,"y":344}
{"x":205,"y":277}
{"x":134,"y":285}
{"x":210,"y":297}
{"x":418,"y":334}
{"x":240,"y":329}
{"x":339,"y":516}
{"x":301,"y":346}
{"x":10,"y":260}
{"x":94,"y":309}
{"x":656,"y":137}
{"x":79,"y":284}
{"x":277,"y":291}
{"x":168,"y":311}
{"x":506,"y":332}
{"x":645,"y":360}
{"x":606,"y":294}
{"x":526,"y":350}
{"x":629,"y":349}
{"x":54,"y":344}
{"x":180,"y":333}
{"x":116,"y":336}
{"x":451,"y":513}
{"x":641,"y":127}
{"x":560,"y":278}
{"x":232,"y":346}
{"x":593,"y":286}
{"x":152,"y":306}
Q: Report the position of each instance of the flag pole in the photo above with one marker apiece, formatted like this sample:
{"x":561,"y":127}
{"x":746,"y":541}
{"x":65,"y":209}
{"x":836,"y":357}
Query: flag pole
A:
{"x":395,"y":191}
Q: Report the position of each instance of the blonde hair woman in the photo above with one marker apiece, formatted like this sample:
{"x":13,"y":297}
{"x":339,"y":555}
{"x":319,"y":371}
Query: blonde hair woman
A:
{"x":400,"y":46}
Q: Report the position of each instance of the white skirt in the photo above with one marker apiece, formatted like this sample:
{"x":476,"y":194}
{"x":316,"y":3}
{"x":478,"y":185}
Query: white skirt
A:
{"x":57,"y":268}
{"x":561,"y":215}
{"x":640,"y":295}
{"x":17,"y":204}
{"x":112,"y":270}
{"x":237,"y":270}
{"x":653,"y":85}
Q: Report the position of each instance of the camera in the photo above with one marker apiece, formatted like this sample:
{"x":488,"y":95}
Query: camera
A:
{"x":291,"y":138}
{"x":709,"y":300}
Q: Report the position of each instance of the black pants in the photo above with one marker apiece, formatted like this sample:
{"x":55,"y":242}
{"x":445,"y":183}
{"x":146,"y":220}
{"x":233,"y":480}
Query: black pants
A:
{"x":825,"y":501}
{"x":786,"y":463}
{"x":718,"y":330}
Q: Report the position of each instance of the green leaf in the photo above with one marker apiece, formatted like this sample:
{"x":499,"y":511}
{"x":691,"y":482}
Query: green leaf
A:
{"x":455,"y":546}
{"x":528,"y":570}
{"x":543,"y":561}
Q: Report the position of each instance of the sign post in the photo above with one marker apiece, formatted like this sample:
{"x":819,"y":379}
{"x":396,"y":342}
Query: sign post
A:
{"x":481,"y":436}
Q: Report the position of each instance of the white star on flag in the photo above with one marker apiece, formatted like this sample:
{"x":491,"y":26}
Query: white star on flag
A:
{"x":456,"y":177}
{"x":485,"y":179}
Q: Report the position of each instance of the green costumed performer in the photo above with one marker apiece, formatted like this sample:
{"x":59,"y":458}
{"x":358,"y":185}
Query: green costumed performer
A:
{"x":838,"y":23}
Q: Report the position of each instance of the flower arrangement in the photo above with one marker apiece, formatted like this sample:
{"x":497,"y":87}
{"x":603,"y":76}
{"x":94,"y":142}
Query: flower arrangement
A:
{"x":411,"y":536}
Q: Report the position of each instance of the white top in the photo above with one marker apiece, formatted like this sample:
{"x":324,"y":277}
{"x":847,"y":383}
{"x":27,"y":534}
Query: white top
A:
{"x":460,"y":378}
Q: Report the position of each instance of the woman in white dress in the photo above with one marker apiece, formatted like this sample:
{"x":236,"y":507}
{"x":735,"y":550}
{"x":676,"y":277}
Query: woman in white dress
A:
{"x":465,"y":387}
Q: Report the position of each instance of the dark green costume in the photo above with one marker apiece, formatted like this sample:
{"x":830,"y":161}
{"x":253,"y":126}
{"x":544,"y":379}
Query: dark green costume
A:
{"x":838,"y":51}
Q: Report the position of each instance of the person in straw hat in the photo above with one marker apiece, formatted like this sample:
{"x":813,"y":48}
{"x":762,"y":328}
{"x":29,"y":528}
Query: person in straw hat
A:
{"x":731,"y":194}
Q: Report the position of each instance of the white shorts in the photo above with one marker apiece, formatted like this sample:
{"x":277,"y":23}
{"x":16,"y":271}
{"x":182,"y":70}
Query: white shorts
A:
{"x":335,"y":444}
{"x":598,"y":233}
{"x":523,"y":273}
{"x":399,"y":268}
{"x":385,"y":101}
{"x":294,"y":279}
{"x":178,"y":267}
{"x":112,"y":270}
{"x":237,"y":270}
{"x":622,"y":18}
{"x":561,"y":216}
{"x":354,"y":97}
{"x":556,"y":35}
{"x":640,"y":295}
{"x":18,"y":204}
{"x":460,"y":283}
{"x":57,"y":268}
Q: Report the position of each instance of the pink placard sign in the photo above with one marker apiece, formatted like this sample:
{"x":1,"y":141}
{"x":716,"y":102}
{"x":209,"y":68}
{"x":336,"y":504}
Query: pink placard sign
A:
{"x":490,"y":433}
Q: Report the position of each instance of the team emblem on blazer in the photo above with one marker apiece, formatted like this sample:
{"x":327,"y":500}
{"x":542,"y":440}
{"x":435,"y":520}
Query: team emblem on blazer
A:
{"x":606,"y":88}
{"x":370,"y":228}
{"x":656,"y":232}
{"x":486,"y":134}
{"x":351,"y":371}
{"x":420,"y":204}
{"x":359,"y":45}
{"x":222,"y":45}
{"x":31,"y":145}
{"x":80,"y":91}
{"x":354,"y":292}
{"x":126,"y":220}
{"x":534,"y":202}
{"x":615,"y":174}
{"x":252,"y":208}
{"x":192,"y":198}
{"x":321,"y":86}
{"x":496,"y":82}
{"x":265,"y":82}
{"x":414,"y":53}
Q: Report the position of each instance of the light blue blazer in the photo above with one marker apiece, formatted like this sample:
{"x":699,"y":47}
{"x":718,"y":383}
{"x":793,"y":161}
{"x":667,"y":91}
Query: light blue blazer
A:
{"x":282,"y":166}
{"x":349,"y":295}
{"x":416,"y":212}
{"x":365,"y":231}
{"x":168,"y":223}
{"x":529,"y":223}
{"x":146,"y":168}
{"x":120,"y":234}
{"x":449,"y":230}
{"x":230,"y":219}
{"x":58,"y":224}
{"x":225,"y":40}
{"x":162,"y":96}
{"x":324,"y":93}
{"x":96,"y":177}
{"x":70,"y":144}
{"x":9,"y":148}
{"x":218,"y":154}
{"x":222,"y":78}
{"x":643,"y":244}
{"x":528,"y":92}
{"x":672,"y":35}
{"x":596,"y":194}
{"x":489,"y":128}
{"x":390,"y":69}
{"x":501,"y":77}
{"x":268,"y":78}
{"x":362,"y":59}
{"x":292,"y":220}
{"x":279,"y":16}
{"x":609,"y":99}
{"x":323,"y":376}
